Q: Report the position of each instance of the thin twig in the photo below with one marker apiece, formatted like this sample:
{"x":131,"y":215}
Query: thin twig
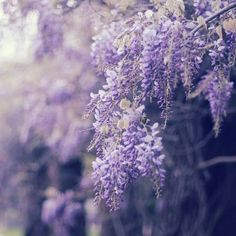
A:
{"x":217,"y":160}
{"x":210,"y":18}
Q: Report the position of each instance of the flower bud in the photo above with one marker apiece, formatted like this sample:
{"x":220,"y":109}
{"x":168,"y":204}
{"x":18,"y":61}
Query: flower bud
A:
{"x":123,"y":124}
{"x":125,"y":104}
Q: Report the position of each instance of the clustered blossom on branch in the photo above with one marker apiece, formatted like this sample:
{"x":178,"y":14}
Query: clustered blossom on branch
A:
{"x":64,"y":211}
{"x":57,"y":97}
{"x":54,"y":113}
{"x":218,"y":92}
{"x":145,"y":58}
{"x":130,"y":150}
{"x":206,"y":8}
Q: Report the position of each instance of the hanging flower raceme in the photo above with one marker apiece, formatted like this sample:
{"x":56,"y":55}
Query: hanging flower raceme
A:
{"x":217,"y":89}
{"x":51,"y":33}
{"x":136,"y":150}
{"x":57,"y":96}
{"x":144,"y":59}
{"x":63,"y":211}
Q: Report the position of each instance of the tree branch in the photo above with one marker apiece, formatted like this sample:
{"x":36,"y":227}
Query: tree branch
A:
{"x":217,"y":160}
{"x":210,"y":18}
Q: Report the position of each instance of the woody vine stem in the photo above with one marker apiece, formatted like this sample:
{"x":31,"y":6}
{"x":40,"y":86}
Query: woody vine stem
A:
{"x":210,"y":18}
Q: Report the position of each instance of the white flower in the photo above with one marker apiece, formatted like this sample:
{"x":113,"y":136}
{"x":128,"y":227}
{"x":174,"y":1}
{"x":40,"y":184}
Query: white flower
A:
{"x":123,"y":123}
{"x":104,"y":129}
{"x":149,"y":14}
{"x":124,"y":104}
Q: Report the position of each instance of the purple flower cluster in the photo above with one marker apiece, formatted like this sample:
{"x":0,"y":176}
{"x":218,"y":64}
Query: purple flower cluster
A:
{"x":202,"y":7}
{"x":136,"y":152}
{"x":166,"y":61}
{"x":206,"y":8}
{"x":51,"y":33}
{"x":62,"y":211}
{"x":55,"y":116}
{"x":103,"y":50}
{"x":149,"y":157}
{"x":57,"y":97}
{"x":146,"y":57}
{"x":218,"y":91}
